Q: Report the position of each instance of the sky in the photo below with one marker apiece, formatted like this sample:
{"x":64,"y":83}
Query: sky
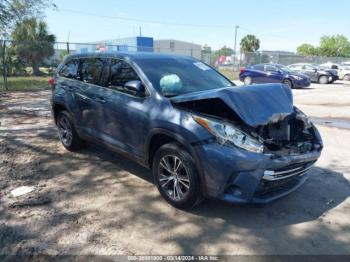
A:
{"x":279,"y":24}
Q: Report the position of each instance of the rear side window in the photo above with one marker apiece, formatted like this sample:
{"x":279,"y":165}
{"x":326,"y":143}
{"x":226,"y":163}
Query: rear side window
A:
{"x":120,"y":73}
{"x":259,"y":67}
{"x":91,"y":70}
{"x":269,"y":68}
{"x":70,"y":69}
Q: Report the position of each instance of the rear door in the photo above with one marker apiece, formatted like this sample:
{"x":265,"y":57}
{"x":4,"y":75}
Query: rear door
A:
{"x":69,"y":81}
{"x":257,"y":73}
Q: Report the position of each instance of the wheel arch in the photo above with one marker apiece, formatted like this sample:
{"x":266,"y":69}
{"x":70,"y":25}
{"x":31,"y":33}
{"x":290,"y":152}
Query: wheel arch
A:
{"x":158,"y":137}
{"x":318,"y":79}
{"x":57,"y":108}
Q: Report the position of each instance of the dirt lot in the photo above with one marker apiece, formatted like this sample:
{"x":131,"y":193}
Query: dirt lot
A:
{"x":97,"y":202}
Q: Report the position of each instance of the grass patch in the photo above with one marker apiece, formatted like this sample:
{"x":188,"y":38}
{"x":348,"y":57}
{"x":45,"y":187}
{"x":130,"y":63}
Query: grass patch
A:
{"x":26,"y":83}
{"x":229,"y":74}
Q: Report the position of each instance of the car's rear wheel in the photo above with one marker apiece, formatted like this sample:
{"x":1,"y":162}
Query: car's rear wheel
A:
{"x":323,"y":80}
{"x":176,"y":176}
{"x":347,"y":77}
{"x":67,"y":133}
{"x":248,"y":80}
{"x":288,"y":83}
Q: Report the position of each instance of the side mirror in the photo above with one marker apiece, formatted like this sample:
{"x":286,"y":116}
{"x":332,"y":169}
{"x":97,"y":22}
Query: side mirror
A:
{"x":315,"y":70}
{"x":135,"y":87}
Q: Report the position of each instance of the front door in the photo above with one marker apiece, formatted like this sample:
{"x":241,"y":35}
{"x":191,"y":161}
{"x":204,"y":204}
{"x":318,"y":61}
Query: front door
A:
{"x":126,"y":116}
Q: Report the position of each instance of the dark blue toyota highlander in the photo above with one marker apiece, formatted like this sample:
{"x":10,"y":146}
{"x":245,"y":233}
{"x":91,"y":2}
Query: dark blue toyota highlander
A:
{"x":202,"y":136}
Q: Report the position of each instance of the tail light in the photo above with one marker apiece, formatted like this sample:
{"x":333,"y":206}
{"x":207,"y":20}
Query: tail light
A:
{"x":52,"y":81}
{"x":241,"y":70}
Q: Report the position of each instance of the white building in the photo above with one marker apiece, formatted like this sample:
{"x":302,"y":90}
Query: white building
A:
{"x":178,"y":47}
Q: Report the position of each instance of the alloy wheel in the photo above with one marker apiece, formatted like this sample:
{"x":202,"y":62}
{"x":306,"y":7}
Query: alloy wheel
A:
{"x":65,"y":131}
{"x":173,"y":177}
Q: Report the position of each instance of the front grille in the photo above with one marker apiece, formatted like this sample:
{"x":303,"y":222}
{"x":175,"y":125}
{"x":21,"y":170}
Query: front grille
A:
{"x":289,"y":171}
{"x":282,"y":179}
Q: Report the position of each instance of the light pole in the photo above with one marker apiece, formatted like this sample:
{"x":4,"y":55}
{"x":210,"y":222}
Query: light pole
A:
{"x":234,"y":50}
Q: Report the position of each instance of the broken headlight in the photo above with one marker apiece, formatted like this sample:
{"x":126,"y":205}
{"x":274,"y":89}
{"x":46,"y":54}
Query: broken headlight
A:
{"x":226,"y":133}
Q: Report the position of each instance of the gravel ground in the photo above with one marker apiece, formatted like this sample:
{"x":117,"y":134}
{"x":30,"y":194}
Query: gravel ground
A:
{"x":97,"y":202}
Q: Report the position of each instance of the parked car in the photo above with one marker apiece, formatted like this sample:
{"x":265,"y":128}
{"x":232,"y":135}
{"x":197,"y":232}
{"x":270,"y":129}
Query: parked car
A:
{"x":345,"y":64}
{"x":330,"y":65}
{"x":202,"y":136}
{"x":273,"y":73}
{"x":344,"y":73}
{"x":317,"y":74}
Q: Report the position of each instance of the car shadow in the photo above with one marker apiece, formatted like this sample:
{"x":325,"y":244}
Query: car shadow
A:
{"x":309,"y":202}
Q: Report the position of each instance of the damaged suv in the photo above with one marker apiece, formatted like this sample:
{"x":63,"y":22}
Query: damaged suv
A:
{"x":202,"y":136}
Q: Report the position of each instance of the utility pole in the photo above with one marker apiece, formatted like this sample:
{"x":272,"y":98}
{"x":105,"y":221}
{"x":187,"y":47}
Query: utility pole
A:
{"x":234,"y":50}
{"x":140,"y":31}
{"x":68,"y":41}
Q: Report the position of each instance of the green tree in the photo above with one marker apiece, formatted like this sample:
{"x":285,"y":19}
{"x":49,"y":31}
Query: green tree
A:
{"x":250,"y":43}
{"x":335,"y":45}
{"x":206,"y":49}
{"x":307,"y":49}
{"x":223,"y":51}
{"x":15,"y":11}
{"x":32,"y":42}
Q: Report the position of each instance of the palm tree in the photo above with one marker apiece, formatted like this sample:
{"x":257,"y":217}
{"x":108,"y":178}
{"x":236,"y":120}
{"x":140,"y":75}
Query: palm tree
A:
{"x":250,"y":43}
{"x":32,"y":42}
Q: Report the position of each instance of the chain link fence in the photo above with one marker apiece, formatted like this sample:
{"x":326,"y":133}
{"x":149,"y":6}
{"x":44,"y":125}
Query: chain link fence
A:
{"x":283,"y":58}
{"x":30,"y":62}
{"x":37,"y":59}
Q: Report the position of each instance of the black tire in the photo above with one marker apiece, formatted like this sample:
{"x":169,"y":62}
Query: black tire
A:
{"x":288,"y":83}
{"x":347,"y":77}
{"x":323,"y":80}
{"x":247,"y":80}
{"x":170,"y":188}
{"x":67,"y":132}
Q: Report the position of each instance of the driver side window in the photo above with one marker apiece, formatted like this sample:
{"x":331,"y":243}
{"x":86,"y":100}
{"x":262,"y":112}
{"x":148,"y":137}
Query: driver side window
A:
{"x":120,"y":73}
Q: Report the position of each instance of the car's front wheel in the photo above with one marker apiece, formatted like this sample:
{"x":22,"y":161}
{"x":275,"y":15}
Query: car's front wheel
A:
{"x":347,"y":77}
{"x":67,"y":133}
{"x":176,"y":176}
{"x":288,"y":83}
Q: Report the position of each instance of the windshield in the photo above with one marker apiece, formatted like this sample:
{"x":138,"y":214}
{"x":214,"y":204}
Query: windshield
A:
{"x":173,"y":76}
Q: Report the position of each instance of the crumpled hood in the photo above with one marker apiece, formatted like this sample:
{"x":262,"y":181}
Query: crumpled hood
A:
{"x":255,"y":105}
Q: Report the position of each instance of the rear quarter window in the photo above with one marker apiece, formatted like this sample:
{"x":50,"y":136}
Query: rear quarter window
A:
{"x":70,"y":69}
